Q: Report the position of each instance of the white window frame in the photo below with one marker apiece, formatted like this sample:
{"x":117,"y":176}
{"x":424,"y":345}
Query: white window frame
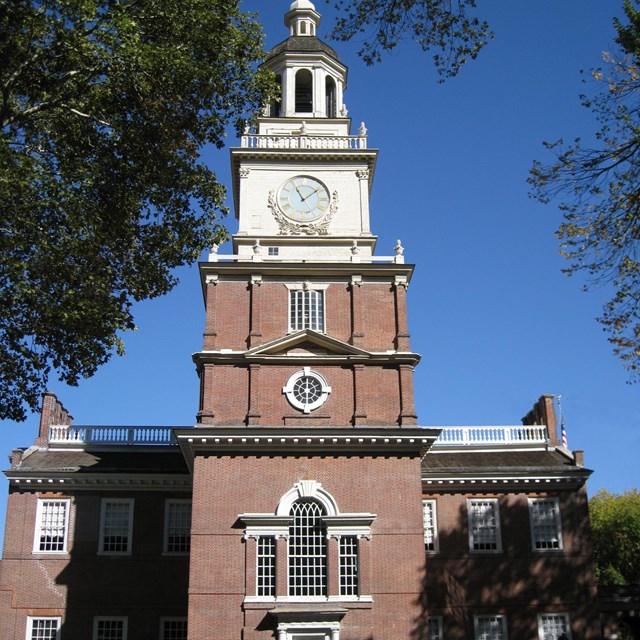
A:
{"x":503,"y":624}
{"x":349,"y":566}
{"x":436,"y":634}
{"x":565,"y":618}
{"x":166,"y":619}
{"x":471,"y":502}
{"x":168,"y":504}
{"x":430,"y":525}
{"x":103,"y":523}
{"x":98,"y":619}
{"x":41,"y":525}
{"x":534,"y":527}
{"x":273,"y":252}
{"x":32,"y":619}
{"x":307,"y":288}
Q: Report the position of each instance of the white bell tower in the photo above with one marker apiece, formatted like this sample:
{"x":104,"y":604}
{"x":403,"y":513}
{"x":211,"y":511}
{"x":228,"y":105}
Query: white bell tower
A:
{"x":301,"y":181}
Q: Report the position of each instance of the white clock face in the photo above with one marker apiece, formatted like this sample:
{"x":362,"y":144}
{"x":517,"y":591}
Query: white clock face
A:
{"x":303,"y":199}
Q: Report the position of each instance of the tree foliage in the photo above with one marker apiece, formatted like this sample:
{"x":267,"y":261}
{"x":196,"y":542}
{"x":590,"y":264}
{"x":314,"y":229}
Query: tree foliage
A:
{"x":615,"y":523}
{"x":105,"y":108}
{"x":598,"y":188}
{"x":446,"y":26}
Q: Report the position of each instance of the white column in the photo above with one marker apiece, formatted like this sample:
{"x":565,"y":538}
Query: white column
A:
{"x":319,"y":105}
{"x":289,"y":91}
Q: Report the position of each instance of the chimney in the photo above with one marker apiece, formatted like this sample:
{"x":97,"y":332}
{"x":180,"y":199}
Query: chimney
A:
{"x":544,"y":412}
{"x":52,"y":412}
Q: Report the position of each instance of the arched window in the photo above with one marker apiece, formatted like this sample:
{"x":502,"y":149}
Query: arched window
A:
{"x":307,"y":550}
{"x":304,"y":91}
{"x":330,"y":96}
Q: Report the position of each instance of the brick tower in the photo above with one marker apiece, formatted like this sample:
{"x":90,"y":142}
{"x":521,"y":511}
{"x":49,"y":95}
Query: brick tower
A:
{"x":307,"y":517}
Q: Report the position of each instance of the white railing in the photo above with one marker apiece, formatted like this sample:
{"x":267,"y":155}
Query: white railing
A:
{"x":488,"y":436}
{"x":152,"y":436}
{"x":255,"y":141}
{"x":214,"y":256}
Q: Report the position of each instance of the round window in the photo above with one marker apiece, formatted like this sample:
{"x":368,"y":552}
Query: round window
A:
{"x":306,"y":390}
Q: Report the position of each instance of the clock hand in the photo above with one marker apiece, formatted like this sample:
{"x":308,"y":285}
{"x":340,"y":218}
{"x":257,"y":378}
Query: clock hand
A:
{"x":308,"y":196}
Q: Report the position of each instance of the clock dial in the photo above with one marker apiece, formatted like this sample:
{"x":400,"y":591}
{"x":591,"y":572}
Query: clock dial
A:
{"x":303,"y":199}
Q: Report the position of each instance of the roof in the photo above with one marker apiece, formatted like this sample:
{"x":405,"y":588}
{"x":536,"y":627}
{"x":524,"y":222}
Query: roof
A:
{"x":496,"y":460}
{"x":135,"y":460}
{"x":302,"y":44}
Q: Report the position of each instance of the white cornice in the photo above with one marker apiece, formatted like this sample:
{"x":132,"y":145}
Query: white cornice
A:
{"x":67,"y":481}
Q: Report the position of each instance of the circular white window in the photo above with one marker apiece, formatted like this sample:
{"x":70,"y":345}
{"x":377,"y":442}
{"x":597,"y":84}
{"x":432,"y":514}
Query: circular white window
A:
{"x":306,"y":390}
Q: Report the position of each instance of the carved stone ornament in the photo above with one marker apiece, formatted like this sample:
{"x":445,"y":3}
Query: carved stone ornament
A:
{"x":289,"y":227}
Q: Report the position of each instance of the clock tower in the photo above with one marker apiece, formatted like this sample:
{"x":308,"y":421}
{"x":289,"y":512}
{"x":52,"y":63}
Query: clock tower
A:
{"x":307,"y":506}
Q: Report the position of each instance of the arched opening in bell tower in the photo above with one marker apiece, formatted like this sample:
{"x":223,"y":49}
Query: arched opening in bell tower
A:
{"x":330,"y":97}
{"x":304,"y":91}
{"x":274,"y":105}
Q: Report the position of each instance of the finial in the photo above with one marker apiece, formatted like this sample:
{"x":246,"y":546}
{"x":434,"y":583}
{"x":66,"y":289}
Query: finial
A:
{"x":344,"y":111}
{"x":303,"y":129}
{"x":355,"y":250}
{"x":257,"y":249}
{"x":362,"y":130}
{"x":399,"y":249}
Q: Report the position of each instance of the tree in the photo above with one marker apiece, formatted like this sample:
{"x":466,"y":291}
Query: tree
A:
{"x":598,"y":187}
{"x":443,"y":25}
{"x":105,"y":108}
{"x":615,"y":524}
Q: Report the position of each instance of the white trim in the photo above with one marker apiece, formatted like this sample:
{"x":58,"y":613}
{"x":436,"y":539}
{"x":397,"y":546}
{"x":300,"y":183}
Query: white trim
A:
{"x":558,"y":524}
{"x":39,"y":525}
{"x":566,"y":625}
{"x":98,"y":619}
{"x":165,"y":538}
{"x":307,"y":489}
{"x":103,"y":509}
{"x":470,"y":521}
{"x":32,"y":619}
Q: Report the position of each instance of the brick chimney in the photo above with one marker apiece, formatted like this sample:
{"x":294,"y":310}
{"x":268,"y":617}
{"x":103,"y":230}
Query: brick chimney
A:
{"x":544,"y":412}
{"x":52,"y":412}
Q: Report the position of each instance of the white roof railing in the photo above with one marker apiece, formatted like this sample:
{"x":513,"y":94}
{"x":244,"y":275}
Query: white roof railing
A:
{"x":463,"y":437}
{"x":256,"y":141}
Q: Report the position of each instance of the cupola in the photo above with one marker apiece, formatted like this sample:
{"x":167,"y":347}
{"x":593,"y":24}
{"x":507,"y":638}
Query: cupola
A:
{"x":309,"y":71}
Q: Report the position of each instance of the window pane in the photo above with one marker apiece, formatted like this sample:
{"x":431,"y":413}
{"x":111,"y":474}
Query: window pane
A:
{"x":545,"y":524}
{"x":44,"y":628}
{"x":430,"y":525}
{"x":552,"y":626}
{"x":483,"y":521}
{"x":348,"y":566}
{"x":307,"y":551}
{"x":490,"y":628}
{"x":174,"y":630}
{"x":178,"y":527}
{"x":306,"y":310}
{"x":266,"y":566}
{"x":110,"y":629}
{"x":116,"y":527}
{"x":52,"y":525}
{"x":435,"y":628}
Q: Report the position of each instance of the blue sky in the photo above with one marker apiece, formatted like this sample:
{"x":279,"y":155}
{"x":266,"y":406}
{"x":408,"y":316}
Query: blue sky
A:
{"x":496,"y":321}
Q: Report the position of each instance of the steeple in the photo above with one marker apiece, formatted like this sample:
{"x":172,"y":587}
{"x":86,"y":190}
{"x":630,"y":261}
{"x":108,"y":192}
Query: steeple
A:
{"x":309,"y":71}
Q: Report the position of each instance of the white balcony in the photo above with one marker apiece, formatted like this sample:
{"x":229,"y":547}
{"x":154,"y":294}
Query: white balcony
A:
{"x":492,"y":436}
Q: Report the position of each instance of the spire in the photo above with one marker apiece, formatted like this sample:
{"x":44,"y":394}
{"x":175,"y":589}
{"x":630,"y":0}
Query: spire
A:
{"x":302,"y":18}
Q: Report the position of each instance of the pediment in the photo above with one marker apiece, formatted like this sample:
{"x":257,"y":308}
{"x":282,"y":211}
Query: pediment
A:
{"x":307,"y":343}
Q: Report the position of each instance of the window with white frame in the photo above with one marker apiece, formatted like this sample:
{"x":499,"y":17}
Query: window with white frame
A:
{"x":430,"y":525}
{"x":266,"y":566}
{"x":546,"y":530}
{"x":306,"y":309}
{"x":484,"y":525}
{"x":551,"y":626}
{"x":43,"y":628}
{"x":490,"y":627}
{"x":307,"y":550}
{"x":435,"y":627}
{"x":52,"y":526}
{"x":173,"y":629}
{"x":116,"y":525}
{"x":273,"y":251}
{"x":348,"y":561}
{"x":109,"y":628}
{"x":177,"y":526}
